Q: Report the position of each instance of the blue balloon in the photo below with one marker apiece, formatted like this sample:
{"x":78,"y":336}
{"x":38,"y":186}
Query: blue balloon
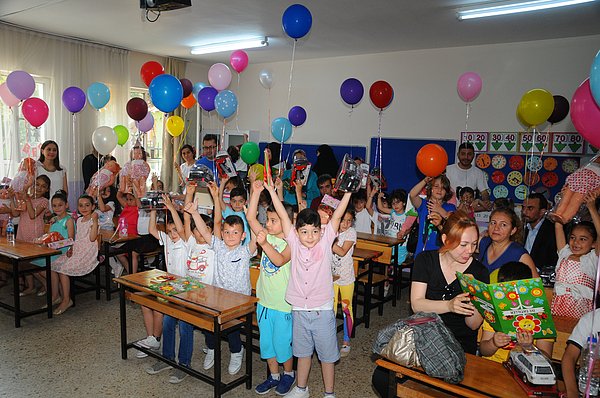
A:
{"x":352,"y":91}
{"x":166,"y":92}
{"x":206,"y":98}
{"x":281,"y":128}
{"x":226,"y":103}
{"x":296,"y":21}
{"x":297,"y":116}
{"x":197,"y":87}
{"x":98,"y":95}
{"x":595,"y":79}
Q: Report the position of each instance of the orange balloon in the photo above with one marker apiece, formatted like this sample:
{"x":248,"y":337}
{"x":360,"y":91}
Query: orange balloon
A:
{"x":432,"y":160}
{"x":188,"y":101}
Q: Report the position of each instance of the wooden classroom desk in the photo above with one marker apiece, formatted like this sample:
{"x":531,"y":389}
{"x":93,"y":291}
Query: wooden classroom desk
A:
{"x":209,"y":308}
{"x":386,"y":246}
{"x":20,"y":252}
{"x":108,"y":241}
{"x":365,"y":257}
{"x":483,"y":378}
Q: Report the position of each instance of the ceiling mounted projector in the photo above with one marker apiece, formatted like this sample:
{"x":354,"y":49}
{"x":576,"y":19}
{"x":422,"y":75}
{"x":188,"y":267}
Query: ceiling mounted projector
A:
{"x":164,"y":5}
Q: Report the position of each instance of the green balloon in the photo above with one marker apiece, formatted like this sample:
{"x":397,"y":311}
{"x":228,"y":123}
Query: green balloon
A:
{"x":250,"y":152}
{"x":122,"y":134}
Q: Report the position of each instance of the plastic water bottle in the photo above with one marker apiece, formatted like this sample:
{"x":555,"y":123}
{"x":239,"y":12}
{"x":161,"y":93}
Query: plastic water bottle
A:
{"x":587,"y":358}
{"x":122,"y":228}
{"x":10,"y":231}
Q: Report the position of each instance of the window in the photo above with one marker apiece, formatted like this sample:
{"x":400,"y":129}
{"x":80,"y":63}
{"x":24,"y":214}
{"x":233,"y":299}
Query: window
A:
{"x":29,"y":139}
{"x":151,"y":140}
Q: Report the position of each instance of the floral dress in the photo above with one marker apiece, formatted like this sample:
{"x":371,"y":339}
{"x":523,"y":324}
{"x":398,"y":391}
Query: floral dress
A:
{"x":85,"y":253}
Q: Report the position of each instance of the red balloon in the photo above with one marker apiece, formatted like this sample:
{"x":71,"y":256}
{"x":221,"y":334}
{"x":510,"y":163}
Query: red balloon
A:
{"x":150,"y":70}
{"x":137,"y":108}
{"x":432,"y":160}
{"x":35,"y":111}
{"x":381,"y":94}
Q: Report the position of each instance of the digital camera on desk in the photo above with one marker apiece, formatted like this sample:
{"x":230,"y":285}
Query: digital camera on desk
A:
{"x":152,"y":201}
{"x":349,"y":176}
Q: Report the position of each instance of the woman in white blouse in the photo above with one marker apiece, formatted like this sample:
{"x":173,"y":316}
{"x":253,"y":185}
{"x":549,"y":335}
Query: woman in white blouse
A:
{"x":49,"y":164}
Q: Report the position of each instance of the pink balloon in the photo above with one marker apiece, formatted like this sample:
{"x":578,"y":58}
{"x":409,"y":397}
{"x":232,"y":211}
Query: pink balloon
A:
{"x":35,"y":111}
{"x":585,"y":114}
{"x":146,"y":124}
{"x":219,"y":76}
{"x":238,"y":60}
{"x":468,"y":86}
{"x":7,"y":97}
{"x":20,"y":84}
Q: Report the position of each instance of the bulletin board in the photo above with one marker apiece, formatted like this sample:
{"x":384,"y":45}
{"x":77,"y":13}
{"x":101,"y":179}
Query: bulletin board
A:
{"x":311,"y":152}
{"x":517,"y":163}
{"x":398,"y":160}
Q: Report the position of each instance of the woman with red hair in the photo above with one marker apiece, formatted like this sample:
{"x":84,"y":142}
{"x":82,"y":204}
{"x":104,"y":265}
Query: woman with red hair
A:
{"x":434,"y":285}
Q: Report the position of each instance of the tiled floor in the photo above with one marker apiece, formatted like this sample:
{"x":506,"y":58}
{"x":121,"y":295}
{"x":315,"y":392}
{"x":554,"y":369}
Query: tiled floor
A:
{"x":77,"y":354}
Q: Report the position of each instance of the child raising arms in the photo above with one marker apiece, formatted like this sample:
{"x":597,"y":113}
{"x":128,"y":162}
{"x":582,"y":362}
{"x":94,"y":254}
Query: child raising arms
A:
{"x":273,"y":312}
{"x":310,"y":291}
{"x":576,"y":267}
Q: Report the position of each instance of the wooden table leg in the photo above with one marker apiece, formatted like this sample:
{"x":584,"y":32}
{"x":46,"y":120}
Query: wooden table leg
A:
{"x":368,"y":287}
{"x":17,"y":293}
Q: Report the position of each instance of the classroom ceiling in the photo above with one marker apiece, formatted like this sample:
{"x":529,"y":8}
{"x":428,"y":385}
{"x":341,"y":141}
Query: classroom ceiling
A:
{"x":340,"y":27}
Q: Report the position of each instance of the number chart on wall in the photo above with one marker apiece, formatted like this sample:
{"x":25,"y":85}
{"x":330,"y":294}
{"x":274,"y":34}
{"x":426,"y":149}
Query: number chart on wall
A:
{"x":517,"y":163}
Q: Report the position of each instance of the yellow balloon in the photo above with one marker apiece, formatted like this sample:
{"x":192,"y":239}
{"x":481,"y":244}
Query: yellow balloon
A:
{"x":259,"y":169}
{"x":536,"y":106}
{"x":175,"y":126}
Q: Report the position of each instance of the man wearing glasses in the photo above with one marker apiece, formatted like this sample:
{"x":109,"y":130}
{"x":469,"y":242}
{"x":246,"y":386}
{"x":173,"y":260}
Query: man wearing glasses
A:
{"x":209,"y":152}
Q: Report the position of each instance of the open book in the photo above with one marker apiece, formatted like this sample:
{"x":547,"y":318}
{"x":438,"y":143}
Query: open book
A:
{"x":508,"y":306}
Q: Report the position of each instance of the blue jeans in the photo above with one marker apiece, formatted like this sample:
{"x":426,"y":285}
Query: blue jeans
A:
{"x":186,"y":340}
{"x":233,"y":338}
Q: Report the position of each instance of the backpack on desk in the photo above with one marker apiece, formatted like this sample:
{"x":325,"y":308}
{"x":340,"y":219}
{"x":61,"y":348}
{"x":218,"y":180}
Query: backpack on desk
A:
{"x":439,"y":353}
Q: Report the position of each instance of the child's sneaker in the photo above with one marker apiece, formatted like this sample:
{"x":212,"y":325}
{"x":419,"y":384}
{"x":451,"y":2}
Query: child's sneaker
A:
{"x":298,"y":393}
{"x":345,"y":351}
{"x":285,"y":384}
{"x":149,"y":342}
{"x":158,"y":367}
{"x":141,"y":355}
{"x":235,"y":362}
{"x":267,"y":385}
{"x":209,"y":359}
{"x":177,"y":376}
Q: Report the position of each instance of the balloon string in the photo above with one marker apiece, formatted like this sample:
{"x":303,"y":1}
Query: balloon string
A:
{"x":349,"y":117}
{"x":379,"y":146}
{"x":269,"y":111}
{"x":223,"y":135}
{"x":467,"y":116}
{"x":291,"y":74}
{"x":75,"y":147}
{"x":237,"y":126}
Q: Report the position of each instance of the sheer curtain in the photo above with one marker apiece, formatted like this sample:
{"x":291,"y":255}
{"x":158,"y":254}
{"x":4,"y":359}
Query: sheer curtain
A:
{"x":170,"y":154}
{"x":65,"y":62}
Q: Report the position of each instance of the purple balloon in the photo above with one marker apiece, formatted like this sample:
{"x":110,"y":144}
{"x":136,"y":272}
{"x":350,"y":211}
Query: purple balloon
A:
{"x":206,"y":98}
{"x":352,"y":91}
{"x":188,"y":86}
{"x":20,"y":84}
{"x":297,"y":116}
{"x":73,"y":99}
{"x":146,"y":124}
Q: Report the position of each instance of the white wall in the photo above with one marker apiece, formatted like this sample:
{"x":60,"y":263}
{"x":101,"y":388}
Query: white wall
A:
{"x":425,"y":103}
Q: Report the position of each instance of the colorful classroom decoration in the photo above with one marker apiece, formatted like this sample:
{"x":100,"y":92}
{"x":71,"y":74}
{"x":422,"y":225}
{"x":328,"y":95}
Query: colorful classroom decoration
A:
{"x":567,"y":144}
{"x":585,"y":114}
{"x":219,"y":76}
{"x":432,"y":160}
{"x":503,"y":141}
{"x":146,"y":124}
{"x":226,"y":103}
{"x":150,"y":70}
{"x":175,"y":125}
{"x":73,"y":99}
{"x":595,"y":78}
{"x":98,"y":95}
{"x":35,"y":111}
{"x":296,"y":21}
{"x":469,"y":86}
{"x":166,"y":92}
{"x":297,"y":116}
{"x":352,"y":91}
{"x":533,"y":141}
{"x":206,"y":98}
{"x":536,"y":106}
{"x":104,"y":140}
{"x":265,"y":77}
{"x":561,"y":109}
{"x":513,"y":306}
{"x":137,"y":108}
{"x":187,"y":86}
{"x":7,"y":97}
{"x":20,"y":84}
{"x":188,"y":102}
{"x":122,"y":134}
{"x":250,"y":152}
{"x":381,"y":94}
{"x":196,"y":89}
{"x":238,"y":60}
{"x":281,"y":128}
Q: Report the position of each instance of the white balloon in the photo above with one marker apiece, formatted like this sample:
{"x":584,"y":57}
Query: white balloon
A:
{"x":104,"y":140}
{"x":266,"y":78}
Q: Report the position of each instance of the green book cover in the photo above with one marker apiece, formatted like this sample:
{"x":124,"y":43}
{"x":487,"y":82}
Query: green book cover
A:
{"x":513,"y":305}
{"x":171,"y":286}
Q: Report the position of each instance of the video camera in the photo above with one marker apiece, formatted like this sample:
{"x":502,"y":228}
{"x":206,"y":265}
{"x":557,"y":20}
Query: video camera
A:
{"x":152,"y":201}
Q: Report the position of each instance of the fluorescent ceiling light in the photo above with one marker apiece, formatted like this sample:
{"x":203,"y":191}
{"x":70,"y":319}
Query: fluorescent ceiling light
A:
{"x":231,"y":45}
{"x":515,"y":7}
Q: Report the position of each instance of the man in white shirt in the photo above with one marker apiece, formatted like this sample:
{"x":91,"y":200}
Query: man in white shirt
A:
{"x":464,"y":174}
